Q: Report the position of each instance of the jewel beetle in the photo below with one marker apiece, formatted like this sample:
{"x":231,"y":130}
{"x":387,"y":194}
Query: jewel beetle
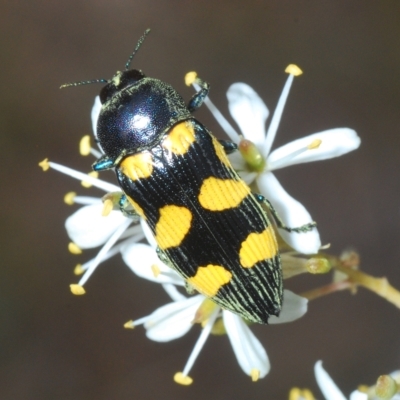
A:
{"x":175,"y":174}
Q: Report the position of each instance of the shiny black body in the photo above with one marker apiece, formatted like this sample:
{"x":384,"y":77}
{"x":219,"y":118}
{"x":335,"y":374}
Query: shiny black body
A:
{"x":136,"y":116}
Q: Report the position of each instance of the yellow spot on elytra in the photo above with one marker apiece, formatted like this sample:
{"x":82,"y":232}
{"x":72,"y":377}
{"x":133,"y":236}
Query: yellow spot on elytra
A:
{"x":221,"y":194}
{"x":84,"y":146}
{"x":179,"y":138}
{"x":293,"y":69}
{"x":172,"y":226}
{"x":314,"y":144}
{"x":190,"y":78}
{"x":220,"y":152}
{"x":78,"y":270}
{"x":255,"y":374}
{"x":74,"y":248}
{"x":137,"y":166}
{"x":108,"y":206}
{"x":208,"y":280}
{"x":258,"y":247}
{"x":77,"y":290}
{"x":129,"y":325}
{"x":136,"y":207}
{"x":182,"y":379}
{"x":69,"y":198}
{"x":156,"y":270}
{"x":44,"y":164}
{"x":93,"y":174}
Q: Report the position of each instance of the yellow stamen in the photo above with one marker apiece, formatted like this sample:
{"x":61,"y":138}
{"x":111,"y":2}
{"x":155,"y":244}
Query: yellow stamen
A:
{"x":190,"y":78}
{"x":108,"y":206}
{"x":317,"y":265}
{"x":182,"y":379}
{"x":44,"y":164}
{"x":74,"y":248}
{"x":156,"y":270}
{"x":363,"y":388}
{"x":129,"y":325}
{"x":293,"y":69}
{"x":386,"y":387}
{"x":78,"y":270}
{"x":69,"y":198}
{"x":314,"y":144}
{"x":84,"y":146}
{"x":203,"y":313}
{"x":300,"y":394}
{"x":93,"y":174}
{"x":255,"y":374}
{"x":218,"y":329}
{"x":77,"y":290}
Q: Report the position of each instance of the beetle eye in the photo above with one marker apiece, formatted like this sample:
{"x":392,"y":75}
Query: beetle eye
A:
{"x":107,"y":92}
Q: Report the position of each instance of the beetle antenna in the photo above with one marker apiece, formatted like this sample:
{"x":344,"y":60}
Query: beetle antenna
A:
{"x":139,"y":43}
{"x":84,"y":83}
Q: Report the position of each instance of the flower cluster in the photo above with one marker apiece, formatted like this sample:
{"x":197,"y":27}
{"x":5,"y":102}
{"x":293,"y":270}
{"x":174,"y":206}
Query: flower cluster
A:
{"x":99,"y":224}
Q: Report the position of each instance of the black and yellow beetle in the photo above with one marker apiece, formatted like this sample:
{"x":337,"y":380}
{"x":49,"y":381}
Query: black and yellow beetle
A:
{"x":175,"y":174}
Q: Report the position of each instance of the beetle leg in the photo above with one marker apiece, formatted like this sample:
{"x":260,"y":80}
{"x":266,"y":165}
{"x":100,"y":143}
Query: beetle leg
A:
{"x":280,"y":224}
{"x":198,"y":98}
{"x":229,"y":147}
{"x":103,"y":164}
{"x":164,"y":258}
{"x":126,"y":209}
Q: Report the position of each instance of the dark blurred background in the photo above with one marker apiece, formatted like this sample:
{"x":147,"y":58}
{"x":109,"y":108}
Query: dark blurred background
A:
{"x":57,"y":346}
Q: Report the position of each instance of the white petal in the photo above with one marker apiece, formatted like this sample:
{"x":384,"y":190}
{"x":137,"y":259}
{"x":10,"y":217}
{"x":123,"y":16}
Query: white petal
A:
{"x":173,"y":320}
{"x":140,"y":257}
{"x":249,"y":111}
{"x":88,"y":228}
{"x":237,"y":161}
{"x":356,"y":395}
{"x":293,"y":307}
{"x":248,"y":350}
{"x":335,"y":142}
{"x":95,"y":114}
{"x":291,"y":212}
{"x":326,"y":384}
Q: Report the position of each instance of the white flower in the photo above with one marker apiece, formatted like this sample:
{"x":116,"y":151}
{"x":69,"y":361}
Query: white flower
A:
{"x":175,"y":319}
{"x":250,"y":113}
{"x":331,"y":392}
{"x":92,"y":226}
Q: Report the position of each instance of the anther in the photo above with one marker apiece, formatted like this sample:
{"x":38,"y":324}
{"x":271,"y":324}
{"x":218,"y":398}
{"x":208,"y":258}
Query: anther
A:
{"x":44,"y":164}
{"x":74,"y":248}
{"x":84,"y":146}
{"x":93,"y":174}
{"x":108,"y":206}
{"x":129,"y":325}
{"x":156,"y":270}
{"x":190,"y":78}
{"x":314,"y":144}
{"x":78,"y":270}
{"x":293,"y":69}
{"x":182,"y":379}
{"x":77,"y":290}
{"x":255,"y":374}
{"x":69,"y":198}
